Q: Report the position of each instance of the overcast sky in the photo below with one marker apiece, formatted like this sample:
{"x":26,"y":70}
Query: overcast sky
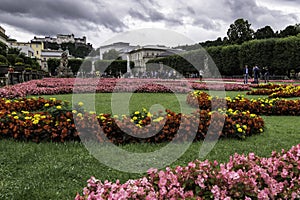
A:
{"x":99,"y":20}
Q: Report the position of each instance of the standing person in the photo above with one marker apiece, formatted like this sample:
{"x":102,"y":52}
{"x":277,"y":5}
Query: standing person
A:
{"x":201,"y":74}
{"x":266,"y":75}
{"x":256,"y":74}
{"x":246,"y":74}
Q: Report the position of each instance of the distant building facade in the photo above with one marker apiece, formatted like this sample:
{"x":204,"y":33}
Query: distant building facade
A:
{"x":37,"y":48}
{"x":25,"y":48}
{"x":3,"y":36}
{"x":122,"y":47}
{"x":140,"y":56}
{"x":60,"y":38}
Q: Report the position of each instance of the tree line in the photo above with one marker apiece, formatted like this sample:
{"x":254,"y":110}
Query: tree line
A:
{"x":240,"y":31}
{"x":280,"y":55}
{"x":279,"y":51}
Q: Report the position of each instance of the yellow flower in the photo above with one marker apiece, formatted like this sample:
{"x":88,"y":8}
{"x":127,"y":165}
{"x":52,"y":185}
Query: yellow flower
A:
{"x":252,"y":115}
{"x":68,"y":120}
{"x":237,"y":125}
{"x":80,"y":103}
{"x":92,"y":112}
{"x":37,"y":115}
{"x":43,"y":116}
{"x":74,"y":111}
{"x":136,"y":112}
{"x":79,"y":115}
{"x":28,"y":118}
{"x":244,"y":127}
{"x":14,"y":113}
{"x":261,"y":130}
{"x":134,"y":118}
{"x":35,"y":121}
{"x":25,"y":112}
{"x":158,"y":119}
{"x":58,"y":107}
{"x":16,"y":117}
{"x":46,"y":105}
{"x":240,"y":130}
{"x":149,"y":114}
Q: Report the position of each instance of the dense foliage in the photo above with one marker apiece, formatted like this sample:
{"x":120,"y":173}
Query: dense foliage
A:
{"x":280,"y":55}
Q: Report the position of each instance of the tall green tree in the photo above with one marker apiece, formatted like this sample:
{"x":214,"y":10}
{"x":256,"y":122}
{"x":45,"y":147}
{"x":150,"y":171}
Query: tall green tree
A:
{"x":75,"y":64}
{"x":53,"y":63}
{"x":264,"y":33}
{"x":291,"y":30}
{"x":111,"y":55}
{"x":3,"y":49}
{"x":240,"y":32}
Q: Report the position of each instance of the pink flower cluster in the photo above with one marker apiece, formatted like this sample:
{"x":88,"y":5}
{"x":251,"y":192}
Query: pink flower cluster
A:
{"x":220,"y":86}
{"x":53,"y":86}
{"x":243,"y":177}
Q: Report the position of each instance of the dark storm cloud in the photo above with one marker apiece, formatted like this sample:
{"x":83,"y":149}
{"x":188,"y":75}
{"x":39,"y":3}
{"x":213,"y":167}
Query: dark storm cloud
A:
{"x":42,"y":16}
{"x":93,"y":17}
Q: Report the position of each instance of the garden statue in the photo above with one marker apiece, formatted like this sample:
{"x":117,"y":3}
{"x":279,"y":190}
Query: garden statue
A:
{"x":64,"y":71}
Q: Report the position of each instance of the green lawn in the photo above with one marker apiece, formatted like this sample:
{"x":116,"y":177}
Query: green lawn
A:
{"x":58,"y":171}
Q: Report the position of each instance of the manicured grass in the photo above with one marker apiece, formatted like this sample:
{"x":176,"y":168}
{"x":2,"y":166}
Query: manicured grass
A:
{"x":58,"y":171}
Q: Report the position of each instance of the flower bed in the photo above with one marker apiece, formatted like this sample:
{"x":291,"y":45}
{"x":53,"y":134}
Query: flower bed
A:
{"x":52,"y":86}
{"x":261,"y":106}
{"x":284,"y":91}
{"x":52,"y":120}
{"x":243,"y":177}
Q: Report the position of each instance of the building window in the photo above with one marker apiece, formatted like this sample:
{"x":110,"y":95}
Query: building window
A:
{"x":37,"y":52}
{"x":44,"y":59}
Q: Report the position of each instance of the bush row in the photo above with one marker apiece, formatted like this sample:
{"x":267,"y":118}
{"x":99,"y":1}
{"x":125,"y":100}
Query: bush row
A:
{"x":260,"y":106}
{"x":54,"y":121}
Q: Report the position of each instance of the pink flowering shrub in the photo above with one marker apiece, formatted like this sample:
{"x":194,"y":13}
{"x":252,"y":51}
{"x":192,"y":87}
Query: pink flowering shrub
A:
{"x":243,"y":177}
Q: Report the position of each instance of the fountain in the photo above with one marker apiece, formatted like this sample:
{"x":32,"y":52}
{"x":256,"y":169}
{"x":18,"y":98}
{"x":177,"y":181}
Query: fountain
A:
{"x":64,"y":71}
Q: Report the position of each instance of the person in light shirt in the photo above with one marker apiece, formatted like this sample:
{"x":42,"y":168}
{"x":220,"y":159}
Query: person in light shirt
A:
{"x":246,"y":74}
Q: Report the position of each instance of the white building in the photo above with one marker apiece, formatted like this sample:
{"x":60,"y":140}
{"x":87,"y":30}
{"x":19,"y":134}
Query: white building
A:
{"x":121,"y":47}
{"x":25,"y":48}
{"x":140,"y":56}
